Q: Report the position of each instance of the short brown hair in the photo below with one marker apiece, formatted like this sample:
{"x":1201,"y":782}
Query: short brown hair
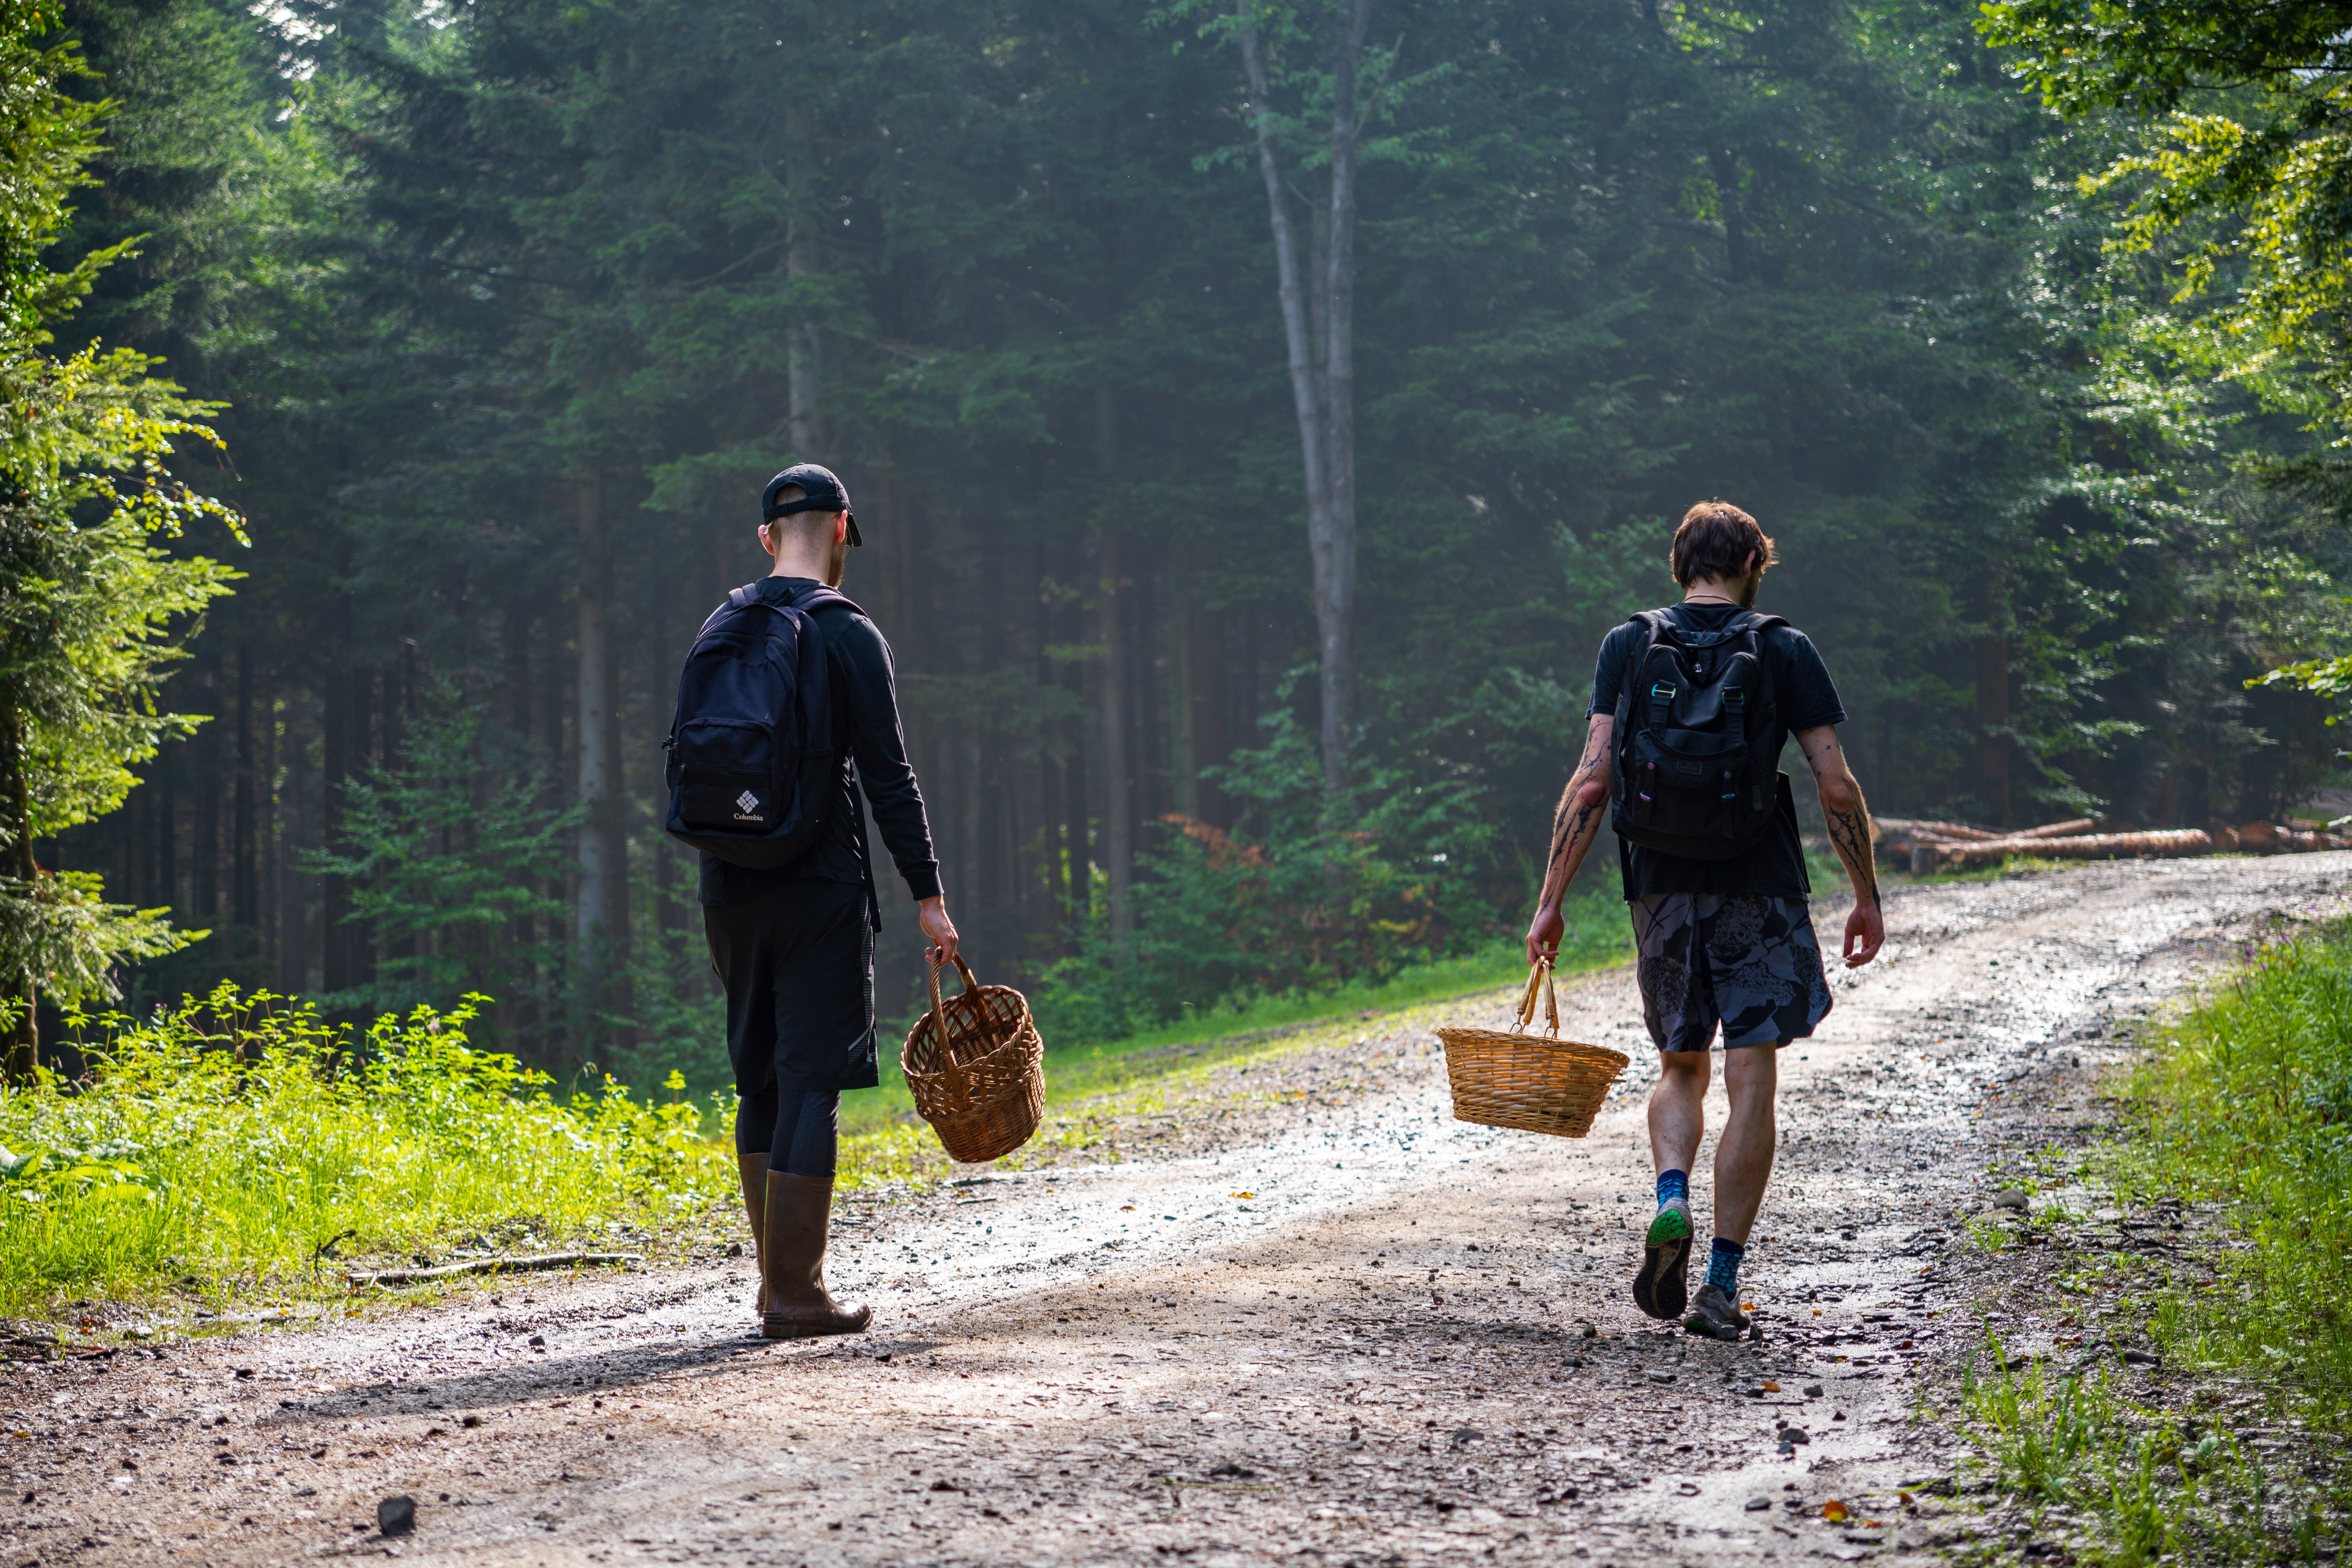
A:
{"x":1716,"y":540}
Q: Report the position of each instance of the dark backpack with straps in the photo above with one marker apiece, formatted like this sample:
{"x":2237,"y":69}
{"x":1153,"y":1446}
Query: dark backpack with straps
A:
{"x":1696,"y":774}
{"x":753,"y":760}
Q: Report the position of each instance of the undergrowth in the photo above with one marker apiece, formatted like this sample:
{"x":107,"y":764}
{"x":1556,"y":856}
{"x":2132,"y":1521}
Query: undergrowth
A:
{"x":2238,"y":1117}
{"x":241,"y":1145}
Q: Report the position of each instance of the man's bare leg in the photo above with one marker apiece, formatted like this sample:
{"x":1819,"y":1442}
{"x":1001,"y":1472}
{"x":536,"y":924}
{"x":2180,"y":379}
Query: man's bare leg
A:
{"x":1677,"y":1119}
{"x":1677,"y":1110}
{"x":1743,"y":1164}
{"x":1743,"y":1155}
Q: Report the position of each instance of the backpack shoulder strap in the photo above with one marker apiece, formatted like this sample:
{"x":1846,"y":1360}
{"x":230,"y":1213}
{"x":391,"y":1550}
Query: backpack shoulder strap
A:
{"x":1657,"y":700}
{"x":820,"y":598}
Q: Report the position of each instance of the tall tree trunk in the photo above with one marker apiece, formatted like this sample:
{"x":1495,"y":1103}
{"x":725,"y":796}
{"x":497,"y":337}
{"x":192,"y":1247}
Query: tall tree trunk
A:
{"x":1334,"y":548}
{"x":205,"y":862}
{"x":341,"y":727}
{"x":1322,"y":363}
{"x":16,"y":797}
{"x":800,"y":265}
{"x":1119,"y":843}
{"x":1992,"y":713}
{"x":244,"y":881}
{"x":597,"y":794}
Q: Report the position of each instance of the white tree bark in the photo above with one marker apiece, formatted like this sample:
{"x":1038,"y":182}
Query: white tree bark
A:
{"x":1318,"y":333}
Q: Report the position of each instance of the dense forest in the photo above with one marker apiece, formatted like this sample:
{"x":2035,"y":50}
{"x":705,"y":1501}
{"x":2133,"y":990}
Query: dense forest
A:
{"x":1256,"y":417}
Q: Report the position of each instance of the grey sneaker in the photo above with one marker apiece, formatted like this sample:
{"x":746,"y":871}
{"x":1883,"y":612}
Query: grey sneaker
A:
{"x":1659,"y":1289}
{"x":1713,"y":1315}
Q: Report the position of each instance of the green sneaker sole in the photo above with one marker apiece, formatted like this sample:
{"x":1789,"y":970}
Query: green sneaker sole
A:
{"x":1661,"y":1288}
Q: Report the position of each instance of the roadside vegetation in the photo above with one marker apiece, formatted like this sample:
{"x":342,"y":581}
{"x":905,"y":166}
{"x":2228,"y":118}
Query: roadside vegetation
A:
{"x":2234,"y":1148}
{"x":239,"y":1149}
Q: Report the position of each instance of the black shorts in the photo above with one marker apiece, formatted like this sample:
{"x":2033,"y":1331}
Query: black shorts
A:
{"x":1747,"y":961}
{"x":797,"y":961}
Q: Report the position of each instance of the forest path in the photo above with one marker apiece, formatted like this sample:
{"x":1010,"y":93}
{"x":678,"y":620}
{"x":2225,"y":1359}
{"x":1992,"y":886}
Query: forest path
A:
{"x":1376,"y":1356}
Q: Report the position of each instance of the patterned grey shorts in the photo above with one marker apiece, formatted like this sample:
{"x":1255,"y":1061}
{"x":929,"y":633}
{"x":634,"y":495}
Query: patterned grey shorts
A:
{"x":1747,"y":961}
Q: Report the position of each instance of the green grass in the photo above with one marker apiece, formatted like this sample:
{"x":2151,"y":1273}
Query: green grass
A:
{"x":236,"y":1148}
{"x":2239,"y":1112}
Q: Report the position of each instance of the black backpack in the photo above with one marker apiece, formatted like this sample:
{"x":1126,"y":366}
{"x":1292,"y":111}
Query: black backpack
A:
{"x":753,"y":760}
{"x":1694,"y":776}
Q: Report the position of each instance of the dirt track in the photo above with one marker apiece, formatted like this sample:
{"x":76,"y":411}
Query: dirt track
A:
{"x":1308,"y":1316}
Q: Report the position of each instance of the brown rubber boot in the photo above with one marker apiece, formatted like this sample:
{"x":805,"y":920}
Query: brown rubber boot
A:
{"x":753,"y":1169}
{"x":800,"y":1213}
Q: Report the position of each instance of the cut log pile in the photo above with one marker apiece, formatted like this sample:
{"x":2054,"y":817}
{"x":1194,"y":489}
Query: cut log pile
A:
{"x":1928,"y":846}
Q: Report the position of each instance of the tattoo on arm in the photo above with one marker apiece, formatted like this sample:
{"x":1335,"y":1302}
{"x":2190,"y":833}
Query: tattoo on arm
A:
{"x":1850,"y":830}
{"x":1850,"y":834}
{"x":1577,"y":822}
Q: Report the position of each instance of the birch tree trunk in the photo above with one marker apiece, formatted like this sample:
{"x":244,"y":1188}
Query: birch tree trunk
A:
{"x":1319,"y":335}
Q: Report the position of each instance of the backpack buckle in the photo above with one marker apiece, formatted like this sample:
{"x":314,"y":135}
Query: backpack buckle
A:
{"x":1661,"y":691}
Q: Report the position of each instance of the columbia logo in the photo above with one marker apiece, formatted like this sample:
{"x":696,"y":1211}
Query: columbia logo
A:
{"x":748,"y":801}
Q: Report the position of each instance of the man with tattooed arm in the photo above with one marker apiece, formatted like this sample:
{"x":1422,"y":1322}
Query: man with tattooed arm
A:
{"x":1723,"y":941}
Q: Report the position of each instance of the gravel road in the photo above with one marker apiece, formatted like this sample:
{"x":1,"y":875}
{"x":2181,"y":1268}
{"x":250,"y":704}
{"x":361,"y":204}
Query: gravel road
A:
{"x":1305,"y":1316}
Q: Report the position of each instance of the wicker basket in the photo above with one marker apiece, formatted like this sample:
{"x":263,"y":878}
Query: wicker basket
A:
{"x":977,"y":1068}
{"x":1528,"y":1082}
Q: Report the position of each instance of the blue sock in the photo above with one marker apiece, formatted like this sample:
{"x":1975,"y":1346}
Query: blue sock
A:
{"x":1723,"y":1267}
{"x":1672,"y":1185}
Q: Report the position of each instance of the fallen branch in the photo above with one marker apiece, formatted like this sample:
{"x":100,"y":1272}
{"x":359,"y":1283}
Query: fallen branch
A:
{"x":2164,"y":843}
{"x":1893,"y":827}
{"x":1899,"y":837}
{"x":495,"y":1265}
{"x":2057,"y":829}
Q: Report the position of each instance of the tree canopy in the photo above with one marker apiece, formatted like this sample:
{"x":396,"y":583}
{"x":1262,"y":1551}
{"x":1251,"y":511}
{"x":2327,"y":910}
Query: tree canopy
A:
{"x":513,"y":305}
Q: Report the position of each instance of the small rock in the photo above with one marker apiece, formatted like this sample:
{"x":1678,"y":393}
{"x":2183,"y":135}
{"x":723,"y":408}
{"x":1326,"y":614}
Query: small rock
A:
{"x":1794,"y":1435}
{"x":2143,"y":1358}
{"x":538,"y":1342}
{"x":1658,"y":1374}
{"x":1586,"y":1332}
{"x":2106,"y":1216}
{"x":306,"y":1491}
{"x":2011,"y":1198}
{"x":1812,"y":1390}
{"x":470,"y":1421}
{"x":1759,"y":1504}
{"x":735,"y":1249}
{"x":396,"y":1515}
{"x":1235,"y":1472}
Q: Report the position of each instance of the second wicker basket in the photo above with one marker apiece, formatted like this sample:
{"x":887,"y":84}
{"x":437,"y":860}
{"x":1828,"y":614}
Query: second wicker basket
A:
{"x":976,"y":1066}
{"x":1535,"y":1083}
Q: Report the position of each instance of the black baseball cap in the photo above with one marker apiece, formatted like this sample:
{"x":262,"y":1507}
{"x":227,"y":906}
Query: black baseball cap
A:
{"x":821,"y":491}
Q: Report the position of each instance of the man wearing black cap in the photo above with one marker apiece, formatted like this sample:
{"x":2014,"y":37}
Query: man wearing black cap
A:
{"x":794,"y":946}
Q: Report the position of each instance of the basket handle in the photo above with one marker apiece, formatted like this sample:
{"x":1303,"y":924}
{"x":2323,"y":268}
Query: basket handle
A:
{"x":948,"y":1067}
{"x":970,"y":981}
{"x":1539,"y":978}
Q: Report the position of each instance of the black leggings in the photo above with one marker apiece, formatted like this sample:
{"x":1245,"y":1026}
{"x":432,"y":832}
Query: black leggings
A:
{"x":796,"y":1127}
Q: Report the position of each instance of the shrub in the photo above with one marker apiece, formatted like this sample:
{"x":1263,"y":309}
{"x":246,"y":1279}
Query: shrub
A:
{"x":237,"y":1139}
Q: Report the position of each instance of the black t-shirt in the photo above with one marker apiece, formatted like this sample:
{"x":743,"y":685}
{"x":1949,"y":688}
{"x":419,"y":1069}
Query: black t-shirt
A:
{"x":865,"y":728}
{"x":1802,"y":699}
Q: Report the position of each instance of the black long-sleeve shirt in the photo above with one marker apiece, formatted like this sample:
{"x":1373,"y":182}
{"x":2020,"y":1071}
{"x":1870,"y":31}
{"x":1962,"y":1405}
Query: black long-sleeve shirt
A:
{"x":865,"y":728}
